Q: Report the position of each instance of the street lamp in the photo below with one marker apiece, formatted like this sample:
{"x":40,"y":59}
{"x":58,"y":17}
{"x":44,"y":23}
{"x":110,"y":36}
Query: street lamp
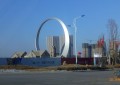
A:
{"x":74,"y":24}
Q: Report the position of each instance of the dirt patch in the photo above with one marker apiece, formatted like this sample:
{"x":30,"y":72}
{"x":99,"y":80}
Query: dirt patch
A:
{"x":114,"y":79}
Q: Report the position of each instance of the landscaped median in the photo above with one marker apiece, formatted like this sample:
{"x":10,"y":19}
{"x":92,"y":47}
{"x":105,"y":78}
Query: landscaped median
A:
{"x":67,"y":67}
{"x":81,"y":67}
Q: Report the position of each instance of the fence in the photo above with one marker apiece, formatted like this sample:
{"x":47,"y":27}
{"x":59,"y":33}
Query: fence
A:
{"x":3,"y":61}
{"x":41,"y":62}
{"x":45,"y":61}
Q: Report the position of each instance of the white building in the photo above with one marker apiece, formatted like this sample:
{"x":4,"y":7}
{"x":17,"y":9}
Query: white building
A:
{"x":37,"y":54}
{"x":19,"y":54}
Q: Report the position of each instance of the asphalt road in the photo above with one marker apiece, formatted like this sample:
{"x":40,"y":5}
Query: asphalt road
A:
{"x":57,"y":78}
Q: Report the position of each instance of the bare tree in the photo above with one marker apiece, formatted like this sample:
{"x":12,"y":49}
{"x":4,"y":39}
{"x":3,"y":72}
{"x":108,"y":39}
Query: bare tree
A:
{"x":113,"y":29}
{"x":113,"y":36}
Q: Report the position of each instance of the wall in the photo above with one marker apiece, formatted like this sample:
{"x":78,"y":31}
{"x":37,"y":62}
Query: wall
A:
{"x":41,"y":61}
{"x":3,"y":61}
{"x":82,"y":61}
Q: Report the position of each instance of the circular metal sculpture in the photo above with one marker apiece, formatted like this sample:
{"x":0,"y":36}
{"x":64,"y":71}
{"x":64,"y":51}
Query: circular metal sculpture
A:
{"x":66,"y":35}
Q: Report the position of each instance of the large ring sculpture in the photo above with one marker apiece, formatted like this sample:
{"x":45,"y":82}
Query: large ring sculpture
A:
{"x":66,"y":35}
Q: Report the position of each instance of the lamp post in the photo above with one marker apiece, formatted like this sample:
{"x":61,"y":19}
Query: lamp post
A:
{"x":75,"y":27}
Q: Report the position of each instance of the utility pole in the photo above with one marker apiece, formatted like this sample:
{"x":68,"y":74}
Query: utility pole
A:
{"x":75,"y":27}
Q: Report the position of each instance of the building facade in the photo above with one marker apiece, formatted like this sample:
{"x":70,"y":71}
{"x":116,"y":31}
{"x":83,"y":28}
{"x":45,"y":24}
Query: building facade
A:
{"x":71,"y":46}
{"x":53,"y":45}
{"x":88,"y":50}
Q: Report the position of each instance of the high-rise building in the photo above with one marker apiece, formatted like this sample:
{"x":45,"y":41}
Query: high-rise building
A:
{"x":53,"y":45}
{"x":94,"y":46}
{"x":90,"y":49}
{"x":71,"y":47}
{"x":62,"y":42}
{"x":85,"y":49}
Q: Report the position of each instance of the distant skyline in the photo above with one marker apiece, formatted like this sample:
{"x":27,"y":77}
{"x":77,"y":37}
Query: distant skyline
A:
{"x":20,"y":20}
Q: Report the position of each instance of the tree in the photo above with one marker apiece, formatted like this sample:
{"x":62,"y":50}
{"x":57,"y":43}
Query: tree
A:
{"x":113,"y":36}
{"x":113,"y":29}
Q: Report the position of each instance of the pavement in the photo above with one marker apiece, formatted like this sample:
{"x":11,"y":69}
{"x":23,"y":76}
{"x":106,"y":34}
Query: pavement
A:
{"x":57,"y":78}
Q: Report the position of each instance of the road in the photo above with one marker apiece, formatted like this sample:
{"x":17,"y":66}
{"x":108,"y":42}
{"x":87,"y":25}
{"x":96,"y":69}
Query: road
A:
{"x":57,"y":78}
